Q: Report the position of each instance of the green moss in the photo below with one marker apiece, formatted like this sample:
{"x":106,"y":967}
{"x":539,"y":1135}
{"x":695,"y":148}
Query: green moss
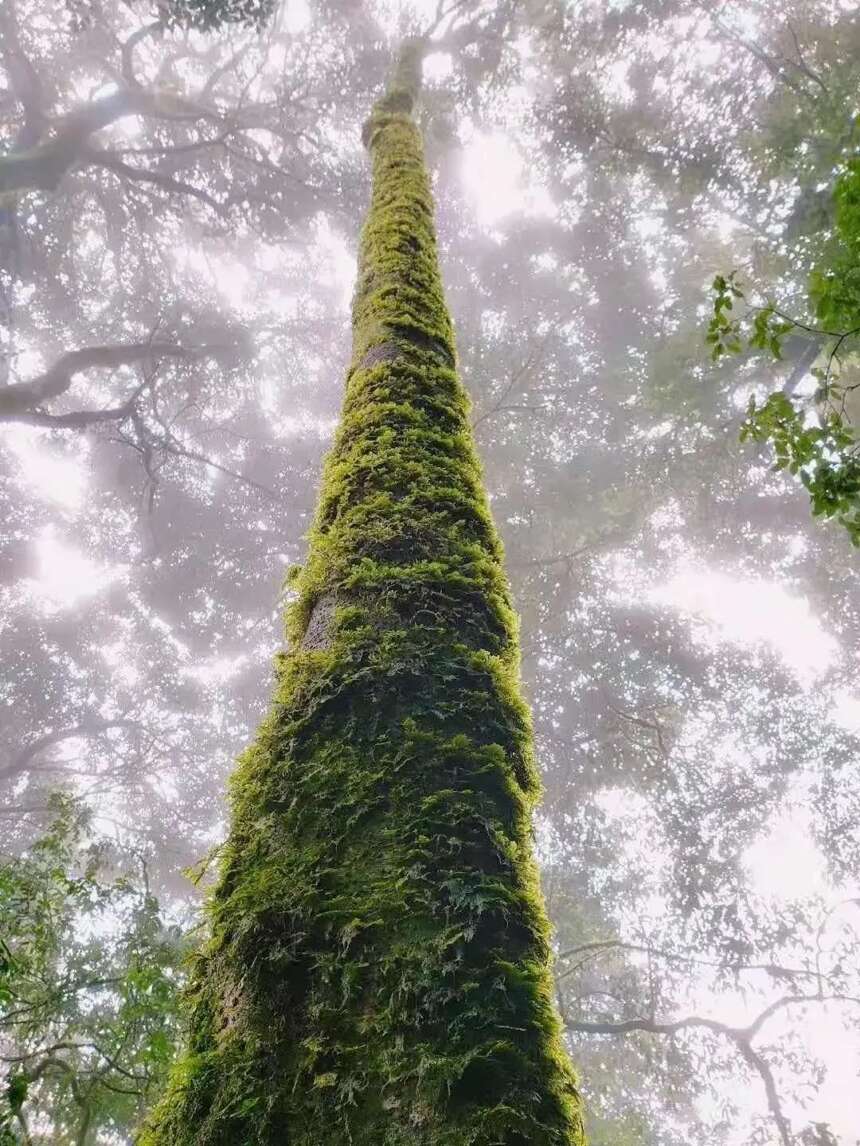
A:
{"x":377,"y":971}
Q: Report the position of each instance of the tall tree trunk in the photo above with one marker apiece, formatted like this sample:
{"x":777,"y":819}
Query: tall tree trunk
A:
{"x":378,"y":967}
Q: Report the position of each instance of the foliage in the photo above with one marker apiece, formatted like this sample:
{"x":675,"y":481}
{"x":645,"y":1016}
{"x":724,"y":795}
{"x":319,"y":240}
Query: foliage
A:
{"x":835,"y":285}
{"x":813,"y":436}
{"x":823,"y":454}
{"x":378,"y":969}
{"x":140,"y":683}
{"x":206,"y":15}
{"x":88,"y":987}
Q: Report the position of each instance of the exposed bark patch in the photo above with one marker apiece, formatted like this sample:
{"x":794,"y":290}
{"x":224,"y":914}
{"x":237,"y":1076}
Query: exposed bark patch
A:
{"x":390,"y":351}
{"x":318,"y":633}
{"x":387,"y":352}
{"x":234,"y":1008}
{"x":425,"y":341}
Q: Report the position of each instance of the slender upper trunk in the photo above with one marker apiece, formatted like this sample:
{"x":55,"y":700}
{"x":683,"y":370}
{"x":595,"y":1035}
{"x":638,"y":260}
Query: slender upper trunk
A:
{"x":378,"y":971}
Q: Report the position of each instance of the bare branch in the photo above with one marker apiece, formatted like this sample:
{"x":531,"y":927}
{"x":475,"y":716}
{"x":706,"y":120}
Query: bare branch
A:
{"x":775,"y":66}
{"x":762,"y":1068}
{"x":554,"y":559}
{"x":217,"y":74}
{"x":180,"y":451}
{"x":801,"y":63}
{"x":89,"y":727}
{"x":76,"y":420}
{"x":43,"y":167}
{"x":127,"y":50}
{"x":595,"y":950}
{"x":108,"y":160}
{"x":532,"y":360}
{"x":25,"y":81}
{"x":741,"y":1037}
{"x":22,"y":398}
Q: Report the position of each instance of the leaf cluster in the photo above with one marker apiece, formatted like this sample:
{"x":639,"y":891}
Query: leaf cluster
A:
{"x":823,"y":456}
{"x":818,"y":444}
{"x":89,"y":976}
{"x":208,"y":15}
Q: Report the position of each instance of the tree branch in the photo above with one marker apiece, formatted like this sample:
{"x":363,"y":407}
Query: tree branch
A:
{"x":180,"y":451}
{"x":42,"y":167}
{"x":109,"y":160}
{"x":741,"y":1037}
{"x":127,"y":50}
{"x":23,"y":760}
{"x":25,"y":81}
{"x":22,"y":398}
{"x":590,"y":950}
{"x":76,"y":420}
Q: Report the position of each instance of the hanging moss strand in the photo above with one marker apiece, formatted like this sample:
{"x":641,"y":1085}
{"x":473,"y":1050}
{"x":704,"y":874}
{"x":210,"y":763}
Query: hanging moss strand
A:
{"x":378,"y":967}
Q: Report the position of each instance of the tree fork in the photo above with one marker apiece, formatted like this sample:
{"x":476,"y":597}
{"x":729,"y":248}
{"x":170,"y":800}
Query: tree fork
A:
{"x":378,"y":966}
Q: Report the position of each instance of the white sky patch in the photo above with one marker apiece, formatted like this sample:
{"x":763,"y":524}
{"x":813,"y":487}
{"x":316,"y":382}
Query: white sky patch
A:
{"x":846,"y":710}
{"x":217,"y":670}
{"x":649,"y":225}
{"x":836,"y":1100}
{"x":164,"y":786}
{"x":230,"y":276}
{"x":785,"y":862}
{"x":725,"y":226}
{"x":125,"y":129}
{"x":65,"y":576}
{"x":806,"y":386}
{"x":637,"y":832}
{"x":50,"y":475}
{"x":545,"y":261}
{"x":29,"y":359}
{"x":101,"y":92}
{"x":437,"y":67}
{"x":295,"y":16}
{"x":708,"y":53}
{"x":391,"y":13}
{"x":617,"y":82}
{"x":118,"y":658}
{"x":660,"y":430}
{"x":749,"y":611}
{"x":299,"y":425}
{"x":493,"y":176}
{"x":338,"y":264}
{"x":233,"y":279}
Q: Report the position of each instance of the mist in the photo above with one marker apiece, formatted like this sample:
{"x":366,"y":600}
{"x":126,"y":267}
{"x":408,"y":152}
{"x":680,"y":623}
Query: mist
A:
{"x":180,"y":217}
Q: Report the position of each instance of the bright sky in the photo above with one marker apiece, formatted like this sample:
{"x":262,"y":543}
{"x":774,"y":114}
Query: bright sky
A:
{"x":743,"y":610}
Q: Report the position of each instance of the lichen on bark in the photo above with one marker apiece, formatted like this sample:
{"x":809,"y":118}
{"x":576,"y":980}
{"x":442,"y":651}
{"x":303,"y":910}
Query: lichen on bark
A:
{"x":377,"y":971}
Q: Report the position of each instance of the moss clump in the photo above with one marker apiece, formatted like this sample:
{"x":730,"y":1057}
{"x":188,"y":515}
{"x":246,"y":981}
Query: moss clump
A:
{"x":377,"y":972}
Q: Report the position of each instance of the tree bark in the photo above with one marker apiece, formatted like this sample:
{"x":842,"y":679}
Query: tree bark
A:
{"x":378,"y":967}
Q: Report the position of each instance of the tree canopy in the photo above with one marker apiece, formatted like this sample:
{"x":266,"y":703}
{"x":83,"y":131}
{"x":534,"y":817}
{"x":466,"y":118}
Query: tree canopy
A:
{"x":178,"y":230}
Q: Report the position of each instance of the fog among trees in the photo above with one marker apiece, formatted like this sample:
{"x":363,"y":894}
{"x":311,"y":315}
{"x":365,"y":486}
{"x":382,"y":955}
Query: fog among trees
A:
{"x":648,"y":225}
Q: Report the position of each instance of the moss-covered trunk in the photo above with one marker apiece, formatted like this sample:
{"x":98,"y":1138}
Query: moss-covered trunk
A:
{"x":378,"y":967}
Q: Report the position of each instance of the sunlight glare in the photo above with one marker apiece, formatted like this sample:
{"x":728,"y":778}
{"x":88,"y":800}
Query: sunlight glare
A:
{"x":295,"y":16}
{"x":65,"y":575}
{"x":492,"y":174}
{"x":49,"y":474}
{"x":749,"y":611}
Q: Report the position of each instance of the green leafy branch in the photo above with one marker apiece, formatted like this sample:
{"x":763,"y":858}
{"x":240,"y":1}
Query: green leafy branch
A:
{"x":823,"y":456}
{"x":812,"y":437}
{"x":88,"y":1022}
{"x":757,"y":328}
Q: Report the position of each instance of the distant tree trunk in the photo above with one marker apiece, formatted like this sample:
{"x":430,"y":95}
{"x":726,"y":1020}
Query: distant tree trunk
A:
{"x":378,"y":969}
